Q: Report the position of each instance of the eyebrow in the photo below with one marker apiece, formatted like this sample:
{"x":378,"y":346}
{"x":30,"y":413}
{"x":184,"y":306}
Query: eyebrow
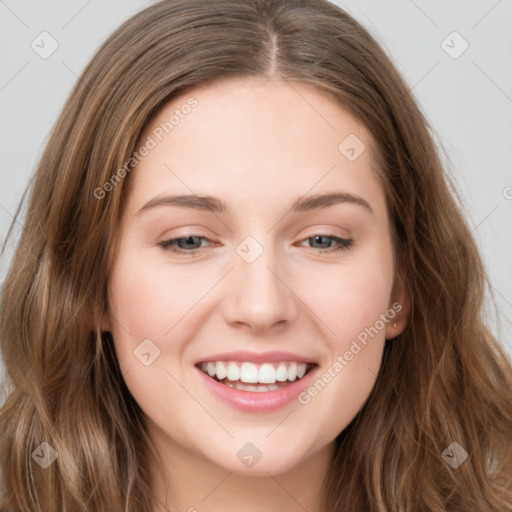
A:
{"x":213,"y":204}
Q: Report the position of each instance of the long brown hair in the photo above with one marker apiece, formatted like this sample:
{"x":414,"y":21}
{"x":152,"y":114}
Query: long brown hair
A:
{"x":445,"y":379}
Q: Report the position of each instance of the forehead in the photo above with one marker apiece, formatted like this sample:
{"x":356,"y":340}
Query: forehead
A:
{"x":255,"y":141}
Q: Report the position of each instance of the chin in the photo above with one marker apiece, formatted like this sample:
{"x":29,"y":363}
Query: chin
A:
{"x":259,"y":458}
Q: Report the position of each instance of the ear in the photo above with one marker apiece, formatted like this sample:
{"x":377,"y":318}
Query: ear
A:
{"x":400,"y":303}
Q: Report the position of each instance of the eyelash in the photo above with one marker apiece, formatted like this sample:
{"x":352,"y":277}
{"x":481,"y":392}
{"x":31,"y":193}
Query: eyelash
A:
{"x":171,"y":245}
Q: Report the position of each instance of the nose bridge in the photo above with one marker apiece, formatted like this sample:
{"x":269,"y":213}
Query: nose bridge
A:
{"x":253,"y":267}
{"x":257,"y":295}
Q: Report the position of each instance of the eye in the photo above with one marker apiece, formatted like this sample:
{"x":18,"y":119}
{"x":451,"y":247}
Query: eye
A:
{"x":340,"y":244}
{"x":182,"y":245}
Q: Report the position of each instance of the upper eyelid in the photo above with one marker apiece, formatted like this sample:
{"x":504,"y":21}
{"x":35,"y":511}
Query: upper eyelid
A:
{"x":189,"y":230}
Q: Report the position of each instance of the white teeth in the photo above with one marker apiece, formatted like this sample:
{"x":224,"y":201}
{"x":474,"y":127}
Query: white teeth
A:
{"x":266,"y":374}
{"x":255,"y":388}
{"x":221,"y":370}
{"x":233,"y":372}
{"x":282,"y":373}
{"x":292,"y":371}
{"x":248,"y":373}
{"x":243,"y":387}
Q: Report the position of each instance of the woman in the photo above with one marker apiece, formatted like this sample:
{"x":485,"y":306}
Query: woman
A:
{"x":321,"y":346}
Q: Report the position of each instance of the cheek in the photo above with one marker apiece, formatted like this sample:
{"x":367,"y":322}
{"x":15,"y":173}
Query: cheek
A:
{"x":144,"y":308}
{"x":352,"y":302}
{"x":154,"y":307}
{"x":350,"y":298}
{"x":148,"y":298}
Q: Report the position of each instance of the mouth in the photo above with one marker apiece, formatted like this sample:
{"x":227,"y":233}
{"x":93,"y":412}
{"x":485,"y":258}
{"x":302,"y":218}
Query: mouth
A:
{"x":256,"y":377}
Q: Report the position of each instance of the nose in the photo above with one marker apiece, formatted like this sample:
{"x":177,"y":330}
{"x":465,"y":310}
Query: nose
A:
{"x":259,"y":295}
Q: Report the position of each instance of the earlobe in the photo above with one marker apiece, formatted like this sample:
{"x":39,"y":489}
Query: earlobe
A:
{"x":400,"y":305}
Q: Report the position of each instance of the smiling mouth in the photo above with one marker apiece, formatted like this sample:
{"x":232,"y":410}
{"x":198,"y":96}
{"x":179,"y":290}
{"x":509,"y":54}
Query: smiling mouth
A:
{"x":247,"y":376}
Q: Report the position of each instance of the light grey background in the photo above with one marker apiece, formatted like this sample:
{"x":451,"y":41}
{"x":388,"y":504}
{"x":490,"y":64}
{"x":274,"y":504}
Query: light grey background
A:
{"x":468,"y":99}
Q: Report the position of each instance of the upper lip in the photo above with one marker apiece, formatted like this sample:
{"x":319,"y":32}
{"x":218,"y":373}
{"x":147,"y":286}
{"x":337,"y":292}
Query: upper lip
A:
{"x":256,"y":357}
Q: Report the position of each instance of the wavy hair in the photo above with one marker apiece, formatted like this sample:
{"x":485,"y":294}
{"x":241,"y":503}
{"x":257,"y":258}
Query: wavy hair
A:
{"x":444,"y":379}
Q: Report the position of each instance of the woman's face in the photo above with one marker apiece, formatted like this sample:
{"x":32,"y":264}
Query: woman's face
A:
{"x":252,"y":291}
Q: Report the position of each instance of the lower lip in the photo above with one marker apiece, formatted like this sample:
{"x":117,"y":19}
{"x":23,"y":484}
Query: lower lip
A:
{"x":252,"y":401}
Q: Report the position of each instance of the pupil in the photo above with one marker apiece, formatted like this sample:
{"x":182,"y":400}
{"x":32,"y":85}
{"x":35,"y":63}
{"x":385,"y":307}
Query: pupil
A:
{"x":318,"y":239}
{"x":189,"y":240}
